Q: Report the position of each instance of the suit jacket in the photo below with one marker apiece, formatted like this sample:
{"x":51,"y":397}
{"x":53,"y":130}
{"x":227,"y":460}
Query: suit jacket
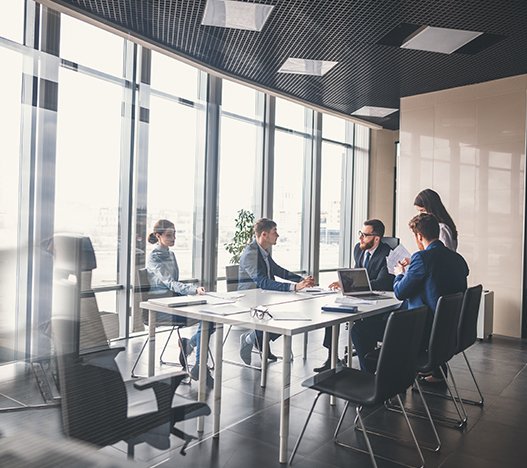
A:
{"x":380,"y":279}
{"x":253,"y":271}
{"x":433,"y":272}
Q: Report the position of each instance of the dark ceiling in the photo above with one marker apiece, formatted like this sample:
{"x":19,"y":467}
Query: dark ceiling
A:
{"x":346,"y":31}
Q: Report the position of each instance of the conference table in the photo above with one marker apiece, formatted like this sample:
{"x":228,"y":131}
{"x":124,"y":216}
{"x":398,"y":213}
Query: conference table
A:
{"x":294,"y":313}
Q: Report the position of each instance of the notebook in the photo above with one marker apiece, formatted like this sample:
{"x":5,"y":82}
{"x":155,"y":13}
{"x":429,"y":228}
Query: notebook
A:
{"x":178,"y":301}
{"x":356,"y":283}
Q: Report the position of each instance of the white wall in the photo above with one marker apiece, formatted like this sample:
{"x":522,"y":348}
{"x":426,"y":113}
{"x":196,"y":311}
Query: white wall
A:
{"x":468,"y":144}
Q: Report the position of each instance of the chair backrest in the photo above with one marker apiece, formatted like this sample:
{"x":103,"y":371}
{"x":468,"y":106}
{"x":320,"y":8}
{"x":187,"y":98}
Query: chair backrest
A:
{"x":231,"y":276}
{"x":94,"y":401}
{"x":391,"y":242}
{"x":396,"y":367}
{"x":467,"y":330}
{"x":443,"y":336}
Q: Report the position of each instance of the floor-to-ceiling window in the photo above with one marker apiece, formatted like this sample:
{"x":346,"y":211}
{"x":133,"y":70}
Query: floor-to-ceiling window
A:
{"x":241,"y":143}
{"x":89,"y":146}
{"x":292,"y":146}
{"x":175,"y":129}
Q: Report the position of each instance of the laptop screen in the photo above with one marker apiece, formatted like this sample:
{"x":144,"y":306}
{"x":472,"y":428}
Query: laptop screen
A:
{"x":354,"y":280}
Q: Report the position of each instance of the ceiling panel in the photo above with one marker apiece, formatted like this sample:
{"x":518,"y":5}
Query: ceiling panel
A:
{"x":345,"y":31}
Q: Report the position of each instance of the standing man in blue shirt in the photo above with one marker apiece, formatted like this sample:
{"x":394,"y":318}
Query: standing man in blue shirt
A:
{"x":258,"y":269}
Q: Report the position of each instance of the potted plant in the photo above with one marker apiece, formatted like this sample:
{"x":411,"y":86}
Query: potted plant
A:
{"x":243,"y":235}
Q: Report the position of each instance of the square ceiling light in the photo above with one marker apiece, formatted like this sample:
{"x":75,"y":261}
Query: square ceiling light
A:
{"x":236,"y":15}
{"x":372,"y":111}
{"x":443,"y":40}
{"x":300,"y":66}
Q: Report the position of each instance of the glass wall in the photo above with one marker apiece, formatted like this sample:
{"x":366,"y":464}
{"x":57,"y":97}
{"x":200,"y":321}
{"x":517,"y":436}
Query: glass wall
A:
{"x":123,"y":141}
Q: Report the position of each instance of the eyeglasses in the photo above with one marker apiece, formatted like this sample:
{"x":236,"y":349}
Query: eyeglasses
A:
{"x":260,"y":312}
{"x":366,"y":234}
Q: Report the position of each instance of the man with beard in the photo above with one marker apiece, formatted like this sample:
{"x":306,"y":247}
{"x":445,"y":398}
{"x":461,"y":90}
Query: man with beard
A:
{"x":369,"y":253}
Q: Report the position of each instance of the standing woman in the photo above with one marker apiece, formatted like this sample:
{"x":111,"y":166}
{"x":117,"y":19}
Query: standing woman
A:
{"x":428,"y":201}
{"x":164,"y":274}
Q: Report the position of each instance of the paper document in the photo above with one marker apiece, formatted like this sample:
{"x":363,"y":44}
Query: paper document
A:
{"x":225,"y":309}
{"x":293,"y":316}
{"x":396,"y":255}
{"x":353,"y":300}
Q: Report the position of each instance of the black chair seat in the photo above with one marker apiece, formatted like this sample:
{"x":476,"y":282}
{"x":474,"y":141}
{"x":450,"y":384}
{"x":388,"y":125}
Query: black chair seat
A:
{"x":337,"y":382}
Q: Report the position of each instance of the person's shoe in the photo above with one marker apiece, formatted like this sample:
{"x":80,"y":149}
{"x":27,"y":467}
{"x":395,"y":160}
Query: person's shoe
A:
{"x":430,"y":380}
{"x":245,"y":348}
{"x":194,"y":375}
{"x":186,"y":348}
{"x":326,"y":366}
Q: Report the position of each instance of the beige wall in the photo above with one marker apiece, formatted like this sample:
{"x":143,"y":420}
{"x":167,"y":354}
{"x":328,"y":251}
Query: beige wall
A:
{"x":382,"y":165}
{"x":468,"y":144}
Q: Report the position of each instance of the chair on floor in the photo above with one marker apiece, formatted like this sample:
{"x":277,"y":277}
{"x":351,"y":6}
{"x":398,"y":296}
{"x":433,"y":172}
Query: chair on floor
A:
{"x":100,"y":408}
{"x":396,"y":370}
{"x":146,"y":292}
{"x":467,"y":335}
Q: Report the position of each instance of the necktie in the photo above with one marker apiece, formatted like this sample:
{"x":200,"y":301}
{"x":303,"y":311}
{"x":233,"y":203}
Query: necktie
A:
{"x":367,"y":259}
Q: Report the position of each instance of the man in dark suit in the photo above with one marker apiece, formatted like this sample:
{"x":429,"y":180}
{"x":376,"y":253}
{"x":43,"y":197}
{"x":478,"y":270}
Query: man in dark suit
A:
{"x":257,"y":268}
{"x":432,"y":272}
{"x":369,"y":253}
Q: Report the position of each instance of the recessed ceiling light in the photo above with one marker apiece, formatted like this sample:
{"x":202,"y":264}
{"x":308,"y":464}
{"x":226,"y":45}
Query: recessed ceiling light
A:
{"x":372,"y":111}
{"x":236,"y":15}
{"x":443,"y":40}
{"x":306,"y":67}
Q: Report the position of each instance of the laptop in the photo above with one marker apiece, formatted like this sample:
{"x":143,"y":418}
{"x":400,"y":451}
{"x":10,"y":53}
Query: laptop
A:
{"x":355,"y":282}
{"x":178,"y":301}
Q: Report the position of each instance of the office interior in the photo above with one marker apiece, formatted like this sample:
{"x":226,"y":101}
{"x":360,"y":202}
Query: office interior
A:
{"x":118,"y":113}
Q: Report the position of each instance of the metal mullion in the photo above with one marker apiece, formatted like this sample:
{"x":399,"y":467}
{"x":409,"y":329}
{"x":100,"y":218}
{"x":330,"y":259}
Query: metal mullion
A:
{"x":44,"y":191}
{"x":128,"y":119}
{"x":268,"y":158}
{"x":346,"y":206}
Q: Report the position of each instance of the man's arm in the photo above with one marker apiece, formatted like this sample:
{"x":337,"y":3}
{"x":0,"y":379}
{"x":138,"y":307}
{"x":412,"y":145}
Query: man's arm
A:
{"x":277,"y":270}
{"x":411,"y":283}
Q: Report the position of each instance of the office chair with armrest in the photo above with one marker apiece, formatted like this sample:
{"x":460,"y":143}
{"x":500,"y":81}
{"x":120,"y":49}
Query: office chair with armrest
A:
{"x":95,"y":398}
{"x":146,"y":292}
{"x":391,"y":242}
{"x":396,"y":370}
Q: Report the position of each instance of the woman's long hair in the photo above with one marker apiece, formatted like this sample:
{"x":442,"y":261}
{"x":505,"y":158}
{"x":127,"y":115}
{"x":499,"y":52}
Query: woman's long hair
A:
{"x":431,"y":202}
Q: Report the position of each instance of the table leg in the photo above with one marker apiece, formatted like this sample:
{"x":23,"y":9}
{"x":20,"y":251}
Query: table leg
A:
{"x":204,"y":354}
{"x":218,"y":370}
{"x":265,"y":353}
{"x":305,"y":346}
{"x":152,"y":315}
{"x":284,"y":404}
{"x":334,"y":351}
{"x":350,"y":345}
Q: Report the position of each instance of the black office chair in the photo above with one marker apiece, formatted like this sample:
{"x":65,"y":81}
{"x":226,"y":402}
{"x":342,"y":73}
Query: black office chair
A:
{"x":391,"y":242}
{"x":94,"y":398}
{"x":467,"y":335}
{"x":396,"y":370}
{"x":145,"y":291}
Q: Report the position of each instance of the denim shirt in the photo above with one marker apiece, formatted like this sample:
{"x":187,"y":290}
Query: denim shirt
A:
{"x":164,"y":272}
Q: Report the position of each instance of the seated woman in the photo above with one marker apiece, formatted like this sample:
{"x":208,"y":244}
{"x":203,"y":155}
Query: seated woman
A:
{"x":164,"y":273}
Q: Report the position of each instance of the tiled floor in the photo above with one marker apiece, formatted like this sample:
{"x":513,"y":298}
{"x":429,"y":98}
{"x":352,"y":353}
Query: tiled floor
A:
{"x":495,"y":435}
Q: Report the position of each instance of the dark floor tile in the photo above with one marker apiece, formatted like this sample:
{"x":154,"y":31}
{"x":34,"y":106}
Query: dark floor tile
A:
{"x":457,"y":460}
